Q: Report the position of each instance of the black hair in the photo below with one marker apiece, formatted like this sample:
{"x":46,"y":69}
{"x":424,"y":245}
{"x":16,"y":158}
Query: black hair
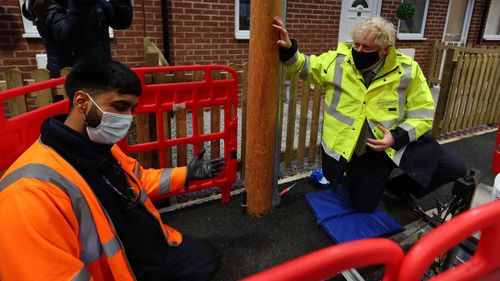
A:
{"x":96,"y":77}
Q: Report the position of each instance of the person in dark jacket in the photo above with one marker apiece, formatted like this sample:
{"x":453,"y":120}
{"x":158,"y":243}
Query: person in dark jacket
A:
{"x":75,"y":29}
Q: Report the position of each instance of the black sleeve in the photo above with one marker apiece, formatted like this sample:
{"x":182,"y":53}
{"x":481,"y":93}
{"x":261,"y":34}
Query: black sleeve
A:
{"x":120,"y":13}
{"x":286,"y":54}
{"x":401,"y":138}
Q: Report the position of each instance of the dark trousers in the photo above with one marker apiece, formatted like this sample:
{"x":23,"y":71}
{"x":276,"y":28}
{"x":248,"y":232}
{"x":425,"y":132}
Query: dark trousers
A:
{"x":366,"y":176}
{"x":193,"y":260}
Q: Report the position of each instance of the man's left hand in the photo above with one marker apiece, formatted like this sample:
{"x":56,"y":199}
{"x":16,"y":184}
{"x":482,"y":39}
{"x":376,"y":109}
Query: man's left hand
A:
{"x":382,"y":144}
{"x":199,"y":169}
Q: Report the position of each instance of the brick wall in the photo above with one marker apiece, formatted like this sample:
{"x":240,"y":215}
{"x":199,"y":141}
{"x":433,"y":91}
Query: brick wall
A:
{"x":202,"y":31}
{"x":15,"y":51}
{"x":127,"y":45}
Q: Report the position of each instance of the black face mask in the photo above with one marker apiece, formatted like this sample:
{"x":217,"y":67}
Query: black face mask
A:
{"x":364,"y":60}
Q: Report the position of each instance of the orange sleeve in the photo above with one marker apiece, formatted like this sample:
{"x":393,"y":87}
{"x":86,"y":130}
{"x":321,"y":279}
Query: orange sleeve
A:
{"x":156,"y":182}
{"x":39,"y":234}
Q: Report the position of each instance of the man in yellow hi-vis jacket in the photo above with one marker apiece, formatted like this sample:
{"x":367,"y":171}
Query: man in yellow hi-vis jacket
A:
{"x":75,"y":207}
{"x":378,"y":109}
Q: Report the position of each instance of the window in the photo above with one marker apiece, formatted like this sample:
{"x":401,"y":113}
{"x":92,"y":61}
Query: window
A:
{"x":30,"y":30}
{"x":413,"y":29}
{"x":242,"y":19}
{"x":457,"y":24}
{"x":492,"y":28}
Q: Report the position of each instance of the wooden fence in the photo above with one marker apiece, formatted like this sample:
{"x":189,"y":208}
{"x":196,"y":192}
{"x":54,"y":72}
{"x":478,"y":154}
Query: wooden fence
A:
{"x":469,"y":81}
{"x":469,"y":97}
{"x":300,"y":112}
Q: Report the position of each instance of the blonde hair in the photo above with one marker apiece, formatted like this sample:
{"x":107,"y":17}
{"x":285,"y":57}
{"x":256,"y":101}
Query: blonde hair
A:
{"x":380,"y":30}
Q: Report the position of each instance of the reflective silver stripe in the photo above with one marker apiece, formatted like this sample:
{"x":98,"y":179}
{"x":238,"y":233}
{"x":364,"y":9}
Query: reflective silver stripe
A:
{"x":412,"y":132}
{"x":305,"y":69}
{"x":420,"y":113}
{"x":293,"y":59}
{"x":165,"y":181}
{"x":137,"y":171}
{"x":337,"y":82}
{"x":143,"y":196}
{"x":398,"y":154}
{"x":403,"y":85}
{"x":89,"y":239}
{"x":82,"y":275}
{"x":330,"y":152}
{"x":386,"y":124}
{"x":111,"y":247}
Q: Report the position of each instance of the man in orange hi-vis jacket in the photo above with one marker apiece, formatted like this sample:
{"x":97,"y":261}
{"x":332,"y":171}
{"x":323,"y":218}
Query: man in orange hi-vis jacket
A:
{"x":75,"y":207}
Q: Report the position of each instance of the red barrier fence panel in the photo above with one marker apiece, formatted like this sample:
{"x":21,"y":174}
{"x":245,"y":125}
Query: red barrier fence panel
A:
{"x":484,"y":219}
{"x":495,"y":166}
{"x":19,"y":132}
{"x":194,"y":96}
{"x":327,"y":262}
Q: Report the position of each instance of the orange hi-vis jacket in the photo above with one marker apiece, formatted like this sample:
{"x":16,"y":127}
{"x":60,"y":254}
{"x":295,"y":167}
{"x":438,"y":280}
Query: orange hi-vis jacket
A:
{"x":53,"y":227}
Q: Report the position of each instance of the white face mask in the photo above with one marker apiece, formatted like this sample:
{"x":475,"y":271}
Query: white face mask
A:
{"x":113,"y":127}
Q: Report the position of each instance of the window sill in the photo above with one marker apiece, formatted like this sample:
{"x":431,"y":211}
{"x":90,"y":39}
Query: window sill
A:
{"x":242,"y":34}
{"x":31,"y":35}
{"x":408,"y":38}
{"x":491,"y":37}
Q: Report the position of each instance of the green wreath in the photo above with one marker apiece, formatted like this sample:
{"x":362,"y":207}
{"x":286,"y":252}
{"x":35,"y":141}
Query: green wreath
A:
{"x":405,"y":11}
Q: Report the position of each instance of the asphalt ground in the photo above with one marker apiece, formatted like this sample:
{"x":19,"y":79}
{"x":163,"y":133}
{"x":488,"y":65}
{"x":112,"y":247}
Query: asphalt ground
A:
{"x":249,"y":245}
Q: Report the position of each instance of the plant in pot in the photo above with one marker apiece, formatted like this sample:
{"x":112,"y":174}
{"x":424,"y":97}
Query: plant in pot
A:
{"x":405,"y":12}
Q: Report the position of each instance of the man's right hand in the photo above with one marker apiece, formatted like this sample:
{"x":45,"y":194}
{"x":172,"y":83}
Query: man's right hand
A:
{"x":284,"y":40}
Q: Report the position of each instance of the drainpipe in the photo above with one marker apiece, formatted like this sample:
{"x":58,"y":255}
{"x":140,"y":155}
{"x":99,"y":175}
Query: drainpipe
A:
{"x":166,"y":37}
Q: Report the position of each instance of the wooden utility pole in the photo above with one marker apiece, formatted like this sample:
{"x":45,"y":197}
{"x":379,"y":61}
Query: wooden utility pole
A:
{"x":261,"y":105}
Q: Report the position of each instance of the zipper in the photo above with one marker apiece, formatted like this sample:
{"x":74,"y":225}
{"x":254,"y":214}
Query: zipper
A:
{"x":165,"y":235}
{"x":376,"y":78}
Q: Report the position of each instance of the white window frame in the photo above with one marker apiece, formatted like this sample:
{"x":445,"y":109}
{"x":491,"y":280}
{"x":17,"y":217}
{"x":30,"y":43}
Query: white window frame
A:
{"x":30,"y":30}
{"x":415,"y":36}
{"x":490,"y":36}
{"x":467,"y":19}
{"x":239,"y":34}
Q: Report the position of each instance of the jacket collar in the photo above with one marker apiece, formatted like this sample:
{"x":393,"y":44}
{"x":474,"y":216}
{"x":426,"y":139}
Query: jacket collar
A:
{"x":72,"y":145}
{"x":393,"y":59}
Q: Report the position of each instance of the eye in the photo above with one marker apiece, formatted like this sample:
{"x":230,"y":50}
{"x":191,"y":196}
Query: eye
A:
{"x":121,"y":106}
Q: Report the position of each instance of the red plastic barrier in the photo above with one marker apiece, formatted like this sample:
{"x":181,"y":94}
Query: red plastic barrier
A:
{"x":484,"y":261}
{"x":158,"y":98}
{"x":495,"y":165}
{"x":19,"y":132}
{"x":327,"y":262}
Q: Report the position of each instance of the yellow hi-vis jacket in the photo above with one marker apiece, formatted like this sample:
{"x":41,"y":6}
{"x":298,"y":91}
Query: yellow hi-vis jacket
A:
{"x":54,"y":227}
{"x":397,"y":97}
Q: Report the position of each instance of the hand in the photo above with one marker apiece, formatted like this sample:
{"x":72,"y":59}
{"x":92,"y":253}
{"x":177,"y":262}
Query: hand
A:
{"x":284,"y":38}
{"x":199,"y":169}
{"x":381,"y":145}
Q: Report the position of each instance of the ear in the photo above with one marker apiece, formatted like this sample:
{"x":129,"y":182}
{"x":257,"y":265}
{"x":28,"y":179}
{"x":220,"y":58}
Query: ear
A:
{"x":80,"y":101}
{"x":386,"y":50}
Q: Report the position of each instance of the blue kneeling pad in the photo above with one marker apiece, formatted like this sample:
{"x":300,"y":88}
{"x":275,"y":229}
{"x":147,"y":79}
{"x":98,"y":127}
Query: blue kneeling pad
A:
{"x":335,"y":214}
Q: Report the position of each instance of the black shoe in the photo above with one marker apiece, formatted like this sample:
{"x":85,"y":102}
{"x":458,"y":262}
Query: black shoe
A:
{"x":405,"y":196}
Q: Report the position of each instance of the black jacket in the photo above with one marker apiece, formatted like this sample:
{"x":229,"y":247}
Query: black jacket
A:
{"x":75,"y":29}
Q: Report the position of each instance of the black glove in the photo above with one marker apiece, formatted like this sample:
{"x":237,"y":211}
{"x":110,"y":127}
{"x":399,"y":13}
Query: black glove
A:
{"x":199,"y":169}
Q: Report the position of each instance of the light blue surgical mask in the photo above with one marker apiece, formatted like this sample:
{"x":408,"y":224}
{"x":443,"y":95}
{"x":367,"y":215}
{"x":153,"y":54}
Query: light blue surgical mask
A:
{"x":112,"y":128}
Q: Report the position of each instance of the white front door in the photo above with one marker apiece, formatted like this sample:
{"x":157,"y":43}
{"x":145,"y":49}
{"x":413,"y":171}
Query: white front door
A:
{"x":354,"y":11}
